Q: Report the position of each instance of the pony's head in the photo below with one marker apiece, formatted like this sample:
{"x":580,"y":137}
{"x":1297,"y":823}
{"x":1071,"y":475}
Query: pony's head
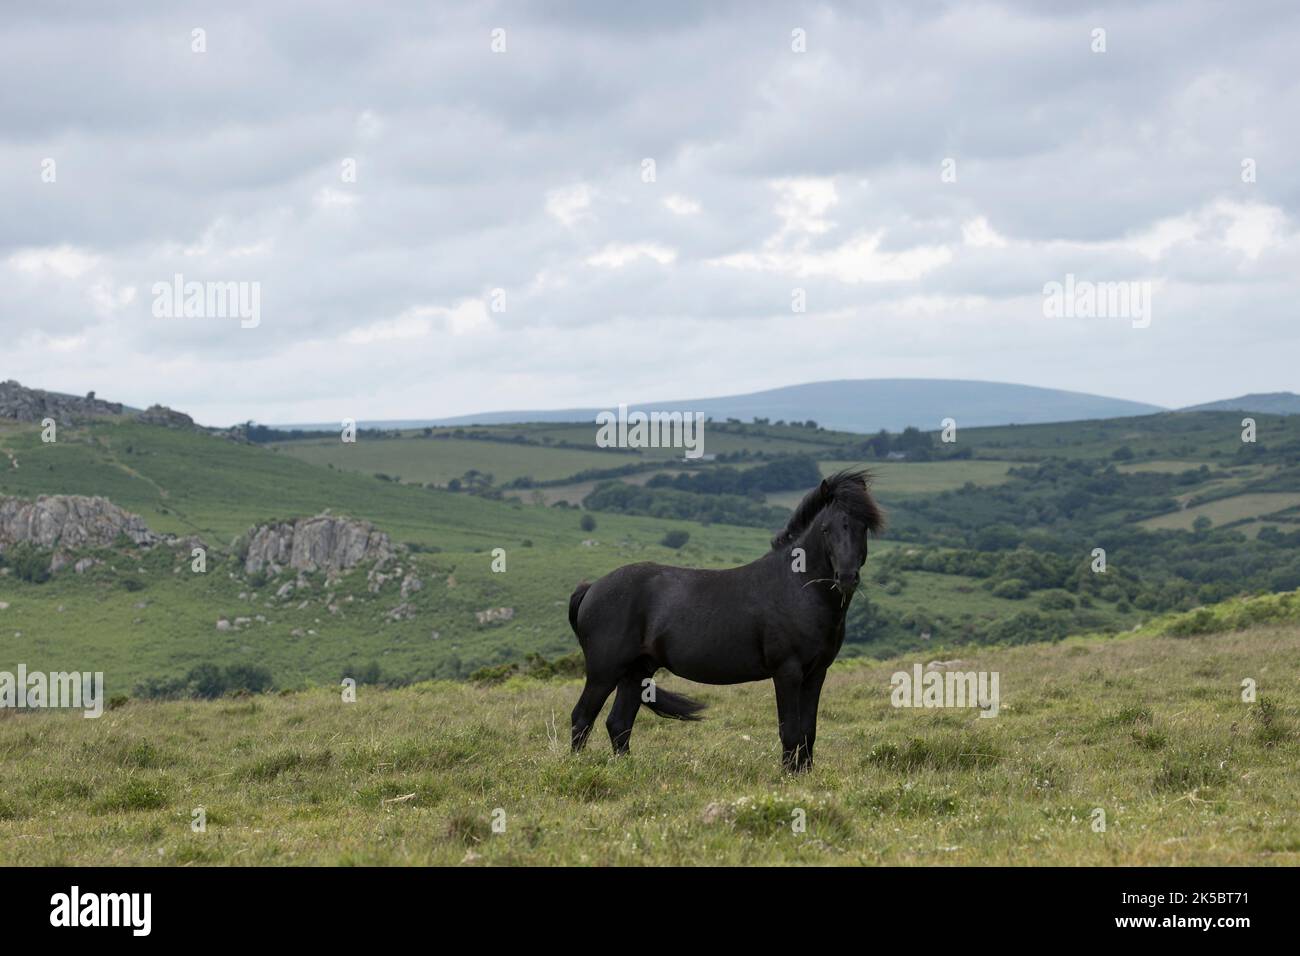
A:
{"x":842,"y":513}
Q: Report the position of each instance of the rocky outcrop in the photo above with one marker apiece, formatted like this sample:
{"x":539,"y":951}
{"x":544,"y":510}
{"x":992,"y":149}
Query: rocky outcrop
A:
{"x":34,"y":405}
{"x":162,"y":415}
{"x":494,"y":615}
{"x":235,"y":433}
{"x":324,"y":542}
{"x":69,"y":521}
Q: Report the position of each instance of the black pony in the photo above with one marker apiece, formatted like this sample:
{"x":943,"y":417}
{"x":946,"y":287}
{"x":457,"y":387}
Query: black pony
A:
{"x":781,"y":616}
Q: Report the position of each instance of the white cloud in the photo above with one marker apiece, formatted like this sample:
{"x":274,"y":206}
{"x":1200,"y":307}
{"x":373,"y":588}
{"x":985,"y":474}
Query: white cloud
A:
{"x":802,"y":202}
{"x":681,"y":206}
{"x":860,"y":259}
{"x":409,"y":325}
{"x":468,"y":318}
{"x":64,"y":261}
{"x":570,"y":204}
{"x":978,"y":234}
{"x":1253,"y":228}
{"x":616,"y":255}
{"x":328,"y":197}
{"x":1247,"y":228}
{"x":772,"y":171}
{"x":107,"y":298}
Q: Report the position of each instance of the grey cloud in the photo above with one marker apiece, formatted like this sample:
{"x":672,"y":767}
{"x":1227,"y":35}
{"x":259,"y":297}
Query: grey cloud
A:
{"x":226,"y":165}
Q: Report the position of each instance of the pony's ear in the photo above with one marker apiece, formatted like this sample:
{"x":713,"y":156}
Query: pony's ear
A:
{"x":825,"y":490}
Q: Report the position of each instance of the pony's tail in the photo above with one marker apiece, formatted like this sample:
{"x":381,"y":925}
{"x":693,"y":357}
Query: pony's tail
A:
{"x":675,"y":706}
{"x":575,"y":601}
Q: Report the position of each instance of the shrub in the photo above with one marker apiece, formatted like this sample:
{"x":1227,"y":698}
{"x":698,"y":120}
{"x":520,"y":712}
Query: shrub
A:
{"x":675,"y":539}
{"x":1057,"y":600}
{"x":492,"y":674}
{"x":587,"y":523}
{"x":28,"y":563}
{"x":1013,"y":589}
{"x":207,"y":681}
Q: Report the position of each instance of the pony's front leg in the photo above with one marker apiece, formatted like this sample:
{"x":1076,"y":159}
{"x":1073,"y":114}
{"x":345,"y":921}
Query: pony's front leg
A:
{"x":789,"y":683}
{"x":809,"y":698}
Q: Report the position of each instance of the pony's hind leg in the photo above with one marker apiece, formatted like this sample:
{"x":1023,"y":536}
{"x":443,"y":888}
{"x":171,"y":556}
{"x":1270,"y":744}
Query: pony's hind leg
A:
{"x":623,"y":714}
{"x":593,"y":697}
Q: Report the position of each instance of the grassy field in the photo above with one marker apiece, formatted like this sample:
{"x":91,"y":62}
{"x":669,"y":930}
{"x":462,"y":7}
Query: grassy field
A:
{"x":1227,"y":510}
{"x":719,"y":437}
{"x":913,"y":478}
{"x":143,"y":613}
{"x":424,"y":460}
{"x":1180,"y":436}
{"x":534,"y":450}
{"x":1150,"y":730}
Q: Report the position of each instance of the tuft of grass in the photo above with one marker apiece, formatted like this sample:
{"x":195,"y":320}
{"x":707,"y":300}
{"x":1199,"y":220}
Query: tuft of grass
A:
{"x":1150,"y":739}
{"x":57,"y":789}
{"x":584,"y":782}
{"x":137,"y":793}
{"x":194,"y":852}
{"x":771,"y":816}
{"x":1127,"y":716}
{"x":435,"y":754}
{"x":909,"y":801}
{"x":141,"y":755}
{"x":1270,"y":727}
{"x":467,"y":828}
{"x":939,"y":752}
{"x":283,"y":761}
{"x":1187,"y":770}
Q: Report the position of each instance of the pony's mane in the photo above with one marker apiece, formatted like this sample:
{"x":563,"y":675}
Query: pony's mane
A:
{"x":847,"y":490}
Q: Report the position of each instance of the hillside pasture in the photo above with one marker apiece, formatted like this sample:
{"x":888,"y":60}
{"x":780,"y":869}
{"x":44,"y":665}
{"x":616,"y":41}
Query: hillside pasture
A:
{"x":1147,"y":736}
{"x":1227,"y":510}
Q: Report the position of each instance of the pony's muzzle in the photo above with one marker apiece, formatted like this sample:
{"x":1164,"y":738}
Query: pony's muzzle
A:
{"x":848,"y":581}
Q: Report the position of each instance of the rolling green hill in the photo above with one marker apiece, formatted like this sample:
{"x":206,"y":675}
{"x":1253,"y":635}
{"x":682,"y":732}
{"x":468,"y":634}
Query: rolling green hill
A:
{"x":991,"y":537}
{"x":191,"y":483}
{"x":1274,"y":403}
{"x":861,"y":405}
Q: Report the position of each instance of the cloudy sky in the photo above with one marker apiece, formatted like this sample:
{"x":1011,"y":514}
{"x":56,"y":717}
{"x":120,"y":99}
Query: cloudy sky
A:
{"x":626,"y":202}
